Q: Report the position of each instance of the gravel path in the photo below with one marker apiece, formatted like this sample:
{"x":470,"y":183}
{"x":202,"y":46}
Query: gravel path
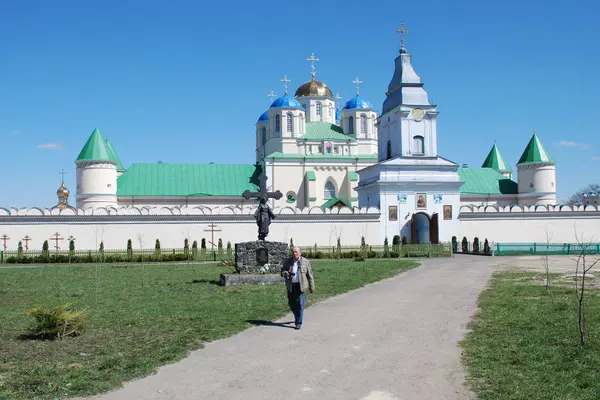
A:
{"x":392,"y":340}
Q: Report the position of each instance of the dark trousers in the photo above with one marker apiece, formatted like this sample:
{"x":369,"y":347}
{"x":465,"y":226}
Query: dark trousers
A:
{"x":296,"y":303}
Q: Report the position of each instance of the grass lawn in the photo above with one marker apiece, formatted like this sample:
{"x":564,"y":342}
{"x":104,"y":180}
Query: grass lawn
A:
{"x":139,"y":317}
{"x":524,"y":345}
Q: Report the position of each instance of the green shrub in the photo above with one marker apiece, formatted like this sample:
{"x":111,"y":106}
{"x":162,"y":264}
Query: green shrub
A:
{"x":454,"y":244}
{"x":45,"y":250}
{"x":476,"y":245}
{"x":486,"y":247}
{"x":195,"y":250}
{"x":404,"y":240}
{"x":465,"y":245}
{"x":157,"y":248}
{"x":129,"y":250}
{"x":56,"y":322}
{"x":186,"y":248}
{"x":20,"y":249}
{"x":386,"y":248}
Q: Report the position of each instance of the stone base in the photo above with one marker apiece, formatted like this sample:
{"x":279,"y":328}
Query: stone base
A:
{"x":249,"y":279}
{"x":251,"y":257}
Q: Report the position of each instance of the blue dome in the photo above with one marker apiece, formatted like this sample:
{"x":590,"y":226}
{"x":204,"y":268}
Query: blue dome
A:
{"x":264,"y":117}
{"x":357,"y":103}
{"x":286,"y":102}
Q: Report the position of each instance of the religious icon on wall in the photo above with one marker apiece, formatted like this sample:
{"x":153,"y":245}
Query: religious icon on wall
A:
{"x":447,"y":212}
{"x":328,"y":147}
{"x":421,"y":200}
{"x":393,"y":213}
{"x":402,"y":198}
{"x":437,"y":198}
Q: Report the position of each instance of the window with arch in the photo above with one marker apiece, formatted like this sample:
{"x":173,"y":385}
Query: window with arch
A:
{"x":277,"y":123}
{"x":263,"y":134}
{"x":389,"y":150}
{"x":418,"y":145}
{"x":351,"y":125}
{"x":329,"y":190}
{"x":363,"y":123}
{"x":290,"y":122}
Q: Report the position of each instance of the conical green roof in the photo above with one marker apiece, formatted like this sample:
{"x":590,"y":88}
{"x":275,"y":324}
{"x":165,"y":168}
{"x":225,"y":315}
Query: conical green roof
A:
{"x":95,"y":149}
{"x":114,"y":155}
{"x":495,"y":161}
{"x":535,"y":152}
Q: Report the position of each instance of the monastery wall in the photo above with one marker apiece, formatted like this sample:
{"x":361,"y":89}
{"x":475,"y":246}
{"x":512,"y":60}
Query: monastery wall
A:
{"x":529,"y":224}
{"x":172,"y":225}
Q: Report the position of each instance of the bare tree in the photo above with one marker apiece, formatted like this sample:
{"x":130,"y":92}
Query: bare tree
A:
{"x":577,"y":198}
{"x":545,"y":260}
{"x":582,"y":267}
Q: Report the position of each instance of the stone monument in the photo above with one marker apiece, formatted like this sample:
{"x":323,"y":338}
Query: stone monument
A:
{"x":259,"y":261}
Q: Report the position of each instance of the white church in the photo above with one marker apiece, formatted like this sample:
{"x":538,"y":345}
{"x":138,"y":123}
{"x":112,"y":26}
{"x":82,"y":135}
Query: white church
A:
{"x":343,"y":169}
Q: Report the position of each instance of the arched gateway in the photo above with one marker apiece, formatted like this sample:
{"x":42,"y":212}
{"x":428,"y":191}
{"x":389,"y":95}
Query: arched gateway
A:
{"x":424,"y":228}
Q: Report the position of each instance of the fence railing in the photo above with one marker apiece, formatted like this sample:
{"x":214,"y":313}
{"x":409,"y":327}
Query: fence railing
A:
{"x":545,"y":248}
{"x":224,"y":254}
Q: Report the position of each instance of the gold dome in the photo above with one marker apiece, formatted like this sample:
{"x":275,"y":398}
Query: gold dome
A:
{"x":62,"y":192}
{"x":313,"y":88}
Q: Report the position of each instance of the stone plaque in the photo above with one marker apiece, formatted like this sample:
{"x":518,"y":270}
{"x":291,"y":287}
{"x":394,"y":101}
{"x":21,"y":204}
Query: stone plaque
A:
{"x":262,"y":256}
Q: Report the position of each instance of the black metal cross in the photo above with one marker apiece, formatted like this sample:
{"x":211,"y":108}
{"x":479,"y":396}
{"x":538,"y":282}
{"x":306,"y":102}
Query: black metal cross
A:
{"x":262,"y":178}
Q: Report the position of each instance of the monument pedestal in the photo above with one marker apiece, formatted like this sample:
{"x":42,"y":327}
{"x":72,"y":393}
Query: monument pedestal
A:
{"x":257,"y":262}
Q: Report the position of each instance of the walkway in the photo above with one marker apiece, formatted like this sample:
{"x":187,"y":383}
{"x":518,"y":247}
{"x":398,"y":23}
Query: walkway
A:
{"x":392,"y":340}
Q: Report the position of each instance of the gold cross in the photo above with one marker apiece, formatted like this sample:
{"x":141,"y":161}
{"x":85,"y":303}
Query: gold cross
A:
{"x":357,"y":82}
{"x":312,"y":60}
{"x":62,"y":172}
{"x":403,"y":32}
{"x":285,"y":81}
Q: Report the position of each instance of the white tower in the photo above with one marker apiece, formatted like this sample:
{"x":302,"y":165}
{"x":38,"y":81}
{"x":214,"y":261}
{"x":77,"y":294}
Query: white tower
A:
{"x":537,"y":175}
{"x":96,"y":173}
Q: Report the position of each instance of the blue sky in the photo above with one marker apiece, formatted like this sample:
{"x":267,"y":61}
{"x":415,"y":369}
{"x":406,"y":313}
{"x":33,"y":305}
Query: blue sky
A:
{"x":185,"y":81}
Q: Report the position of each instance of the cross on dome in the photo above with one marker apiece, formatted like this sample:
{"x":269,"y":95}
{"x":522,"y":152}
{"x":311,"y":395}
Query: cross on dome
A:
{"x":403,"y":32}
{"x":62,"y":172}
{"x":272,"y":95}
{"x":312,"y":60}
{"x":285,"y":81}
{"x":357,"y":82}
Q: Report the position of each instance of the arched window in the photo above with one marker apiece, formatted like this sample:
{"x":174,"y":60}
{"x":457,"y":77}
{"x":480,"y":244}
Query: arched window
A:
{"x":363,"y":123}
{"x":351,"y":125}
{"x":290,"y":122}
{"x":329,"y":190}
{"x":319,"y":108}
{"x":418,"y":145}
{"x":264,"y":135}
{"x":277,"y":123}
{"x":389,"y":150}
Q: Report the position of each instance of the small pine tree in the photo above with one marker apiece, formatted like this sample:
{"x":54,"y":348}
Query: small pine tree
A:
{"x":476,"y":245}
{"x":396,"y":244}
{"x":464,"y":245}
{"x":157,"y":248}
{"x":486,"y":247}
{"x":404,"y":240}
{"x":203,"y":245}
{"x":220,"y":248}
{"x":101,"y":251}
{"x":195,"y":249}
{"x":71,"y":248}
{"x":339,"y":247}
{"x":454,"y":244}
{"x":129,"y":250}
{"x":229,"y":250}
{"x":186,"y":248}
{"x":291,"y":249}
{"x":386,"y":248}
{"x":20,"y":249}
{"x":45,"y":249}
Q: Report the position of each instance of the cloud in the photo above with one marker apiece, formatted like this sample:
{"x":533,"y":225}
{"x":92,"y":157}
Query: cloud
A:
{"x":15,"y":132}
{"x":596,"y":158}
{"x":569,"y":143}
{"x":50,"y":146}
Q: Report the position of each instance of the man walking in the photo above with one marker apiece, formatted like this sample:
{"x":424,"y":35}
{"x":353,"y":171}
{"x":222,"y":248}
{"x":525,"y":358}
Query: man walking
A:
{"x":298,"y":275}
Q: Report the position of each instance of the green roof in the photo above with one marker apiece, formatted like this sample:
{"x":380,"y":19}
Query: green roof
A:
{"x":114,"y":155}
{"x":495,"y":161}
{"x":96,"y":149}
{"x":278,"y":154}
{"x":535,"y":152}
{"x":334,"y":201}
{"x":325,"y":131}
{"x":353,"y":176}
{"x":485,"y":181}
{"x":188,"y":180}
{"x":311,"y":175}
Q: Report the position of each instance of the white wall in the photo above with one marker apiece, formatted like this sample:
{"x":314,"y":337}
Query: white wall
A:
{"x":172,"y":226}
{"x":529,"y":224}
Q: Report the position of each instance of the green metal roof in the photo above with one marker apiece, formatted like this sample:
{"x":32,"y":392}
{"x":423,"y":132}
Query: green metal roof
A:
{"x":485,"y":181}
{"x":325,"y":131}
{"x":278,"y":154}
{"x":495,"y":161}
{"x":95,"y":149}
{"x":311,"y":175}
{"x":535,"y":152}
{"x":334,"y":201}
{"x":188,"y":180}
{"x":114,"y":155}
{"x":353,"y":176}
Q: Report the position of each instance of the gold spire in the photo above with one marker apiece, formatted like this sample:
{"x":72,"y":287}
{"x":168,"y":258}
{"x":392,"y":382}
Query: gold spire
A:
{"x":403,"y":32}
{"x":312,"y":60}
{"x":63,"y":192}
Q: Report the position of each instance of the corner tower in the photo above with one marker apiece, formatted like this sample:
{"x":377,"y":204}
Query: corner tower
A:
{"x":96,"y":173}
{"x":537,"y":175}
{"x":496,"y":161}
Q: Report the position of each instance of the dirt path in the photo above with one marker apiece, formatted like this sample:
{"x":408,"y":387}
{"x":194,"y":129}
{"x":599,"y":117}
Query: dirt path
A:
{"x":393,"y":340}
